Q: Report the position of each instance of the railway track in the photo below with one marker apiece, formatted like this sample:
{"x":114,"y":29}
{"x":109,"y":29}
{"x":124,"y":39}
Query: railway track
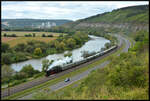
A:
{"x":39,"y":81}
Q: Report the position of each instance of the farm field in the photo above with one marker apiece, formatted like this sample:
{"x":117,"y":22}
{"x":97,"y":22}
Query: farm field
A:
{"x":22,"y":33}
{"x":12,"y":41}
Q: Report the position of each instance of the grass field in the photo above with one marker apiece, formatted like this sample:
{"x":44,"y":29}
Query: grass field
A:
{"x":22,"y":33}
{"x":12,"y":41}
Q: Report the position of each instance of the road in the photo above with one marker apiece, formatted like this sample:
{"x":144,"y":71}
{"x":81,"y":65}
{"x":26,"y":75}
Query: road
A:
{"x":84,"y":74}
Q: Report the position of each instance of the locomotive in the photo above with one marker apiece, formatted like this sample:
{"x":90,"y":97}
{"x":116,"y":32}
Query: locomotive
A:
{"x":60,"y":68}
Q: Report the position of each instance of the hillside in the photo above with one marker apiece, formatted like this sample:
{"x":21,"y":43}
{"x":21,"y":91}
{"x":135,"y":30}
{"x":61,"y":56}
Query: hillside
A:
{"x":31,"y":23}
{"x":131,"y":18}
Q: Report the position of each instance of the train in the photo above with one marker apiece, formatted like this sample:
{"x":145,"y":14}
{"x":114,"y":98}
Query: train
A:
{"x":59,"y":68}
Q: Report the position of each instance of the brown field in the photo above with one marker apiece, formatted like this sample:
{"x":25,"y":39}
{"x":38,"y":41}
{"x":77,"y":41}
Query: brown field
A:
{"x":6,"y":39}
{"x":14,"y":41}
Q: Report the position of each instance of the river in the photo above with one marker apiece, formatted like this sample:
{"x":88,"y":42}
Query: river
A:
{"x":93,"y":45}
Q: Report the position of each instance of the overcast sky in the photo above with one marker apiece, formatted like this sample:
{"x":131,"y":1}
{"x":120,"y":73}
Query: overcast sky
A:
{"x":61,"y":10}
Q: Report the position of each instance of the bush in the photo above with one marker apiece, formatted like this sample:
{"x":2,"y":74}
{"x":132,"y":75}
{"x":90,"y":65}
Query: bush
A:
{"x":28,"y":35}
{"x":28,"y":70}
{"x":68,"y":54}
{"x":38,"y":52}
{"x":6,"y":58}
{"x":4,"y":47}
{"x":5,"y":35}
{"x":128,"y":71}
{"x":43,"y":35}
{"x":50,"y":35}
{"x":16,"y":82}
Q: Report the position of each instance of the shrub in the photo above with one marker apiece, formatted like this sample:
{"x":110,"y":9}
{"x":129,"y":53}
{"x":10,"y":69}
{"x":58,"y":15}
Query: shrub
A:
{"x":38,"y":51}
{"x":5,"y":35}
{"x":43,"y":35}
{"x":50,"y":35}
{"x":4,"y":47}
{"x":6,"y":58}
{"x":28,"y":70}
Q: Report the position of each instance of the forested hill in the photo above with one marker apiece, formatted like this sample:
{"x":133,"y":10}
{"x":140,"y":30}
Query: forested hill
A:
{"x":133,"y":17}
{"x":32,"y":23}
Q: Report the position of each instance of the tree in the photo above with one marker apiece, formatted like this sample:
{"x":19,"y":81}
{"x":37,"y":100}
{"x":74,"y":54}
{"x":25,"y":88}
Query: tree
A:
{"x":52,"y":43}
{"x":28,"y":69}
{"x":50,"y":35}
{"x":6,"y":58}
{"x":43,"y":35}
{"x":20,"y":47}
{"x":29,"y":49}
{"x":7,"y":72}
{"x":71,"y":43}
{"x":62,"y":45}
{"x":45,"y":64}
{"x":33,"y":34}
{"x":38,"y":51}
{"x":107,"y":45}
{"x":5,"y":35}
{"x":4,"y":47}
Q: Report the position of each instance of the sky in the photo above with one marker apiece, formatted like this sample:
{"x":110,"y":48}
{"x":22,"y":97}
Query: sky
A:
{"x":72,"y":10}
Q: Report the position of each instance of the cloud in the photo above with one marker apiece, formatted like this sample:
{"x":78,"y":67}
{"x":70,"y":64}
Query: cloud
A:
{"x":61,"y":9}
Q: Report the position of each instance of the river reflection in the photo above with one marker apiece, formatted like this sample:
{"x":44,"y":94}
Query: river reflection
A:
{"x":93,"y":45}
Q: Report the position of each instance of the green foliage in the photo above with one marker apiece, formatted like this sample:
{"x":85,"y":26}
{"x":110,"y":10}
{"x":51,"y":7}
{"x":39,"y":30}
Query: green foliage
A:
{"x":71,"y":43}
{"x":129,"y":14}
{"x":28,"y":70}
{"x":68,"y":54}
{"x":38,"y":75}
{"x":28,"y":35}
{"x":43,"y":35}
{"x":33,"y":34}
{"x":20,"y":47}
{"x":4,"y":47}
{"x":128,"y":71}
{"x":16,"y":82}
{"x":5,"y":34}
{"x":6,"y":58}
{"x":7,"y":73}
{"x":20,"y":76}
{"x":38,"y":51}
